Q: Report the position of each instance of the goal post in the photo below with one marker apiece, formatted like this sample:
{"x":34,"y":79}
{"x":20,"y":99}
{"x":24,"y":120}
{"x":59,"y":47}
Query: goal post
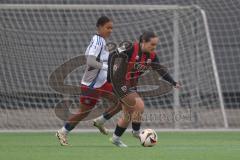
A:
{"x":219,"y":88}
{"x":176,"y":62}
{"x":42,"y":43}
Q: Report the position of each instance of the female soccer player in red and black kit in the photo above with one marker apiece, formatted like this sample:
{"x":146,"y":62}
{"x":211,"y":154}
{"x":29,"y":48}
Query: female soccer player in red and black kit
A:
{"x":141,"y":57}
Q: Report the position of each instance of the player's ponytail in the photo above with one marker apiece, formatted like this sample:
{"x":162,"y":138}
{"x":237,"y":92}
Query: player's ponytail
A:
{"x":146,"y":36}
{"x":140,"y":39}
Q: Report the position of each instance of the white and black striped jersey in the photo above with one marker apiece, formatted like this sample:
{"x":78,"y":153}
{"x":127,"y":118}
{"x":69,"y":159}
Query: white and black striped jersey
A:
{"x":92,"y":76}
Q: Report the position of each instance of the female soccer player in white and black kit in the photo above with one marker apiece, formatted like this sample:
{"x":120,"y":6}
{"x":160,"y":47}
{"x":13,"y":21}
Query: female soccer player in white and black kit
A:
{"x":94,"y":82}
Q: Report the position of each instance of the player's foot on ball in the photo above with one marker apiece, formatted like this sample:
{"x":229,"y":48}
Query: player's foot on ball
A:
{"x":117,"y":142}
{"x":100,"y":127}
{"x":62,"y":137}
{"x":136,"y":134}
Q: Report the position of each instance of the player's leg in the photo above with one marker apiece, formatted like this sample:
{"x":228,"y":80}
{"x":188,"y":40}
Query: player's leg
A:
{"x":132,"y":110}
{"x":111,"y":111}
{"x":121,"y":126}
{"x":87,"y":103}
{"x":107,"y":93}
{"x":108,"y":114}
{"x":71,"y":123}
{"x":135,"y":100}
{"x":137,"y":117}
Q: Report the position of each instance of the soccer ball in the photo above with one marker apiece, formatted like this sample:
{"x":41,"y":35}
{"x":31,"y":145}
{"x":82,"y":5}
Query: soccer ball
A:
{"x":148,"y":137}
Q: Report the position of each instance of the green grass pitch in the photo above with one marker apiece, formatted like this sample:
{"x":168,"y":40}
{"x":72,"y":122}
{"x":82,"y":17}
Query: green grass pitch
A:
{"x":94,"y":146}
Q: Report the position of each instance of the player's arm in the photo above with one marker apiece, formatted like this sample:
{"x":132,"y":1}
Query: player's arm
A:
{"x":93,"y":54}
{"x":118,"y":63}
{"x":162,"y":71}
{"x":119,"y":68}
{"x":124,"y":51}
{"x":93,"y":62}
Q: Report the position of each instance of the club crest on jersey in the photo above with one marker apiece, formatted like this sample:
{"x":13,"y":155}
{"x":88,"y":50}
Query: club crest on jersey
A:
{"x":137,"y":57}
{"x":149,"y":61}
{"x":141,"y":67}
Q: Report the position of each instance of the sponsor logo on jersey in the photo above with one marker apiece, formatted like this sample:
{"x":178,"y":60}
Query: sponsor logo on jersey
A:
{"x":140,"y":67}
{"x":149,"y":61}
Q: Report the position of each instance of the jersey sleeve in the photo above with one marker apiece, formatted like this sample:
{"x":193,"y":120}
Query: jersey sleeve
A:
{"x":162,"y":71}
{"x":129,"y":52}
{"x":95,"y":46}
{"x":116,"y":73}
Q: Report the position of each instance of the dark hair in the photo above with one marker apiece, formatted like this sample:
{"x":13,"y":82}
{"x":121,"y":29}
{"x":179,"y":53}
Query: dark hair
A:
{"x":102,"y":20}
{"x":146,"y":36}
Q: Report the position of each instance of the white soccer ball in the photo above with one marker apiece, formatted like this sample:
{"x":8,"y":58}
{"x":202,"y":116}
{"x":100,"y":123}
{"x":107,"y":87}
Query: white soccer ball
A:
{"x":148,"y":137}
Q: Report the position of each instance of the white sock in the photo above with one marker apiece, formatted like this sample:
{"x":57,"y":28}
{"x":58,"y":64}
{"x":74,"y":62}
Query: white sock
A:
{"x":135,"y":132}
{"x":115,"y":137}
{"x":101,"y":119}
{"x":64,"y":130}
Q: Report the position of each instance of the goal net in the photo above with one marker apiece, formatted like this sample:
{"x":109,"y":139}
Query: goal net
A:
{"x":42,"y":64}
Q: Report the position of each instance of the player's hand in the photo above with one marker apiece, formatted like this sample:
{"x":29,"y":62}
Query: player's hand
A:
{"x":178,"y":85}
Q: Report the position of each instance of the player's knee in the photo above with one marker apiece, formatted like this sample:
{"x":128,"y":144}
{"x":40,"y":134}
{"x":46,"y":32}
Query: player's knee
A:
{"x":126,"y":117}
{"x":139,"y":107}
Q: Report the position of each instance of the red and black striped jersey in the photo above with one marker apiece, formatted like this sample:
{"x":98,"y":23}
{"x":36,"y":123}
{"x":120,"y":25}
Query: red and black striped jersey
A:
{"x":139,"y":62}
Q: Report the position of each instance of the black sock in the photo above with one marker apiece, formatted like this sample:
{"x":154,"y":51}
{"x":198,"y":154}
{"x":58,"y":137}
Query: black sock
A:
{"x":136,"y":126}
{"x":68,"y":126}
{"x":106,"y":116}
{"x":119,"y":131}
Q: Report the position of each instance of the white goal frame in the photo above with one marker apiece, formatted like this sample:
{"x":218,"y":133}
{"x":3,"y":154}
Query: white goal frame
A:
{"x":175,"y":37}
